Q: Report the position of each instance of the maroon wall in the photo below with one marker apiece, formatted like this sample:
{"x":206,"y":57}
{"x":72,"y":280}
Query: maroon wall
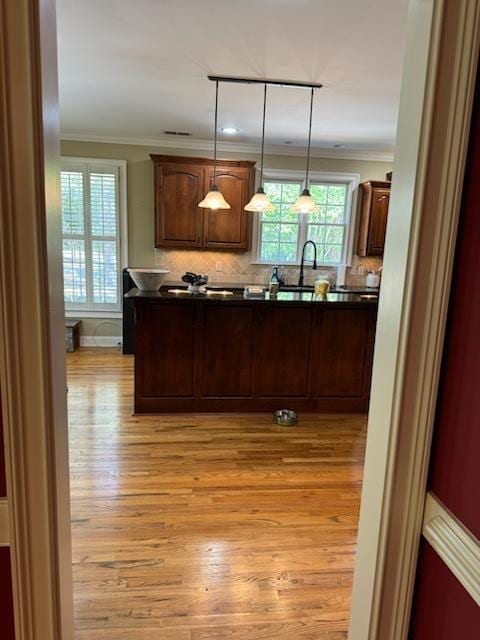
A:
{"x":6,"y":600}
{"x":455,"y":468}
{"x":7,"y":631}
{"x":443,"y":609}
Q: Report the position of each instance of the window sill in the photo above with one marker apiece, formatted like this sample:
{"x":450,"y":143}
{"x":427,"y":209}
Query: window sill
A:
{"x":308,"y":263}
{"x":71,"y":313}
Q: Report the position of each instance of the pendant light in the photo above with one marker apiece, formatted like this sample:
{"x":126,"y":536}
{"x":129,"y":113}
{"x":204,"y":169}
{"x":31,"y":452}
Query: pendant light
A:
{"x":214,"y":198}
{"x":260,"y":201}
{"x":305,"y":203}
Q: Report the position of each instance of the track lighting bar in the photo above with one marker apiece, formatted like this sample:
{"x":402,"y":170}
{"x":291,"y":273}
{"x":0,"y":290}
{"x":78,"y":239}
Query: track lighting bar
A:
{"x":266,"y":81}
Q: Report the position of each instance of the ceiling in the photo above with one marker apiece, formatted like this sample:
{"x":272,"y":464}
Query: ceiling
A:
{"x":133,"y":69}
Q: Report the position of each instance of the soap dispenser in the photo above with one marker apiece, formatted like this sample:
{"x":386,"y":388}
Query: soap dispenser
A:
{"x":275,"y":278}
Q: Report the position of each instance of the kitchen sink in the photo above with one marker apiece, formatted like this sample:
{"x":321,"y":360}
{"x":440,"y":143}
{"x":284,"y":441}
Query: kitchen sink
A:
{"x":293,"y":288}
{"x":363,"y":291}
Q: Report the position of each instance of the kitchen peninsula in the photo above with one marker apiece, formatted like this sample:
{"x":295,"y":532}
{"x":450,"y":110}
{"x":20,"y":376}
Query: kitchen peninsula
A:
{"x":213,"y":353}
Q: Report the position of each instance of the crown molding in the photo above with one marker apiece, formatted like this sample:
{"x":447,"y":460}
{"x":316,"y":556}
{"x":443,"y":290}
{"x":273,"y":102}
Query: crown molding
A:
{"x":233,"y":147}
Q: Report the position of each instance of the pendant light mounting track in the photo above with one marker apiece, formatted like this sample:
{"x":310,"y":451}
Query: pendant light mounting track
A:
{"x":268,"y":81}
{"x":260,"y":201}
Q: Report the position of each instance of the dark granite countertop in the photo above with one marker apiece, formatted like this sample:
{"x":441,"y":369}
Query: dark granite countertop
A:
{"x":236,"y":296}
{"x":171,"y":284}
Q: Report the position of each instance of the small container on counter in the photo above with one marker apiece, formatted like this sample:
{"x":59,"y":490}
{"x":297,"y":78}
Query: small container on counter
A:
{"x":321,"y":286}
{"x":373,"y":280}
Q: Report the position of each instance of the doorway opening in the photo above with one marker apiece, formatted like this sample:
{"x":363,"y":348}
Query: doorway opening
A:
{"x":194,"y":521}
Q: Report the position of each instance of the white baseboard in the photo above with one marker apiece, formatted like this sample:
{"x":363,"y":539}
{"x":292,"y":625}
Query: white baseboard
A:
{"x":100,"y":341}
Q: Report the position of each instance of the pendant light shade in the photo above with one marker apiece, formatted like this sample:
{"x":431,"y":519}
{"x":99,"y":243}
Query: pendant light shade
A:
{"x":260,"y":202}
{"x":214,"y":198}
{"x":305,"y":203}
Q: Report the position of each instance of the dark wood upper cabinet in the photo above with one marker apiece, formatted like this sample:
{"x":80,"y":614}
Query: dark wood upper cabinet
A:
{"x":178,"y":190}
{"x":181,"y":183}
{"x":229,"y":228}
{"x":375,"y":198}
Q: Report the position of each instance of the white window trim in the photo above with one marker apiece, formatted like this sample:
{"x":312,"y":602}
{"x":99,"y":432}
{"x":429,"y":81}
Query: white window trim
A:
{"x":81,"y":313}
{"x":352,"y":180}
{"x":73,"y":162}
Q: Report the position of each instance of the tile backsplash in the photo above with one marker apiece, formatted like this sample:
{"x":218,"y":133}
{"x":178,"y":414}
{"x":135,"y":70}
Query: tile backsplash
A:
{"x":231,"y":267}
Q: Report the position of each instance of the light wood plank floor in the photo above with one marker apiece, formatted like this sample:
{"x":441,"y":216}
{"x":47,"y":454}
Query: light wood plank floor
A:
{"x":193,"y":527}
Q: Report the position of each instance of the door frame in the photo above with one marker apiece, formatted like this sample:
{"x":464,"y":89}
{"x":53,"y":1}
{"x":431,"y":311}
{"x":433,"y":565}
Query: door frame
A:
{"x":434,"y":123}
{"x":32,"y":345}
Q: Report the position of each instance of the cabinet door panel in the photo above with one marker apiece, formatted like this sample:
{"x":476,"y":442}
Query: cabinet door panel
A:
{"x":178,"y":217}
{"x":375,"y":199}
{"x":283,"y":352}
{"x":227,"y":351}
{"x":229,"y":228}
{"x":378,"y":221}
{"x":341,"y":346}
{"x":165,"y":345}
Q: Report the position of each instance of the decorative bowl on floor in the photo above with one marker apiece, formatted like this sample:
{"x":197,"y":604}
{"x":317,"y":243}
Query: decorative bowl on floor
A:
{"x":148,"y":279}
{"x":285,"y":417}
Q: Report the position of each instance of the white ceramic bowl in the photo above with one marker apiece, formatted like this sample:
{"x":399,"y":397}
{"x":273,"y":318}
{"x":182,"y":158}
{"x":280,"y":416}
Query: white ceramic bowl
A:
{"x":148,"y":279}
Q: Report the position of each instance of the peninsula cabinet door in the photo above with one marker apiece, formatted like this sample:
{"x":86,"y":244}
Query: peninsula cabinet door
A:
{"x":341,"y":353}
{"x":283,"y":352}
{"x":178,"y":219}
{"x":227,"y":351}
{"x":229,"y":228}
{"x":165,"y":350}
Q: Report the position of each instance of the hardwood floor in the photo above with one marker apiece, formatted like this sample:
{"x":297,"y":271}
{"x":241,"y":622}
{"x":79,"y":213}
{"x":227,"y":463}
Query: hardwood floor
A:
{"x":222,"y":527}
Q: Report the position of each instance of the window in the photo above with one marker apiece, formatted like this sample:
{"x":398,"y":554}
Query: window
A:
{"x":94,"y":233}
{"x":281,"y":233}
{"x":279,"y":229}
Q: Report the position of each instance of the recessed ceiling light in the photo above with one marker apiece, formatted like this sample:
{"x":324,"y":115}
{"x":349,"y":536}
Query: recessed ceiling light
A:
{"x":230,"y":130}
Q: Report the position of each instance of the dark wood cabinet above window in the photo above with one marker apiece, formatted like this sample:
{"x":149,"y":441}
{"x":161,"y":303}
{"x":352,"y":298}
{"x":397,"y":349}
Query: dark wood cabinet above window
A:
{"x":374,"y":202}
{"x":181,"y":183}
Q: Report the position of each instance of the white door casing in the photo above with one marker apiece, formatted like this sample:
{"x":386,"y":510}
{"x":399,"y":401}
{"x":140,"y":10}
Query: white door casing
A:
{"x":32,"y":349}
{"x":434,"y":123}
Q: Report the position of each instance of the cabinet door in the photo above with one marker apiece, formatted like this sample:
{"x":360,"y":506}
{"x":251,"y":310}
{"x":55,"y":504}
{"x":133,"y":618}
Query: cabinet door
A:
{"x":283,"y":352}
{"x":229,"y":228}
{"x":165,"y":350}
{"x":378,"y":221}
{"x":178,"y":219}
{"x":341,"y":352}
{"x":227,"y":351}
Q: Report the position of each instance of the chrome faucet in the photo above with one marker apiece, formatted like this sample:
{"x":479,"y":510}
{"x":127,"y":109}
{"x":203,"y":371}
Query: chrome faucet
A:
{"x":314,"y":265}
